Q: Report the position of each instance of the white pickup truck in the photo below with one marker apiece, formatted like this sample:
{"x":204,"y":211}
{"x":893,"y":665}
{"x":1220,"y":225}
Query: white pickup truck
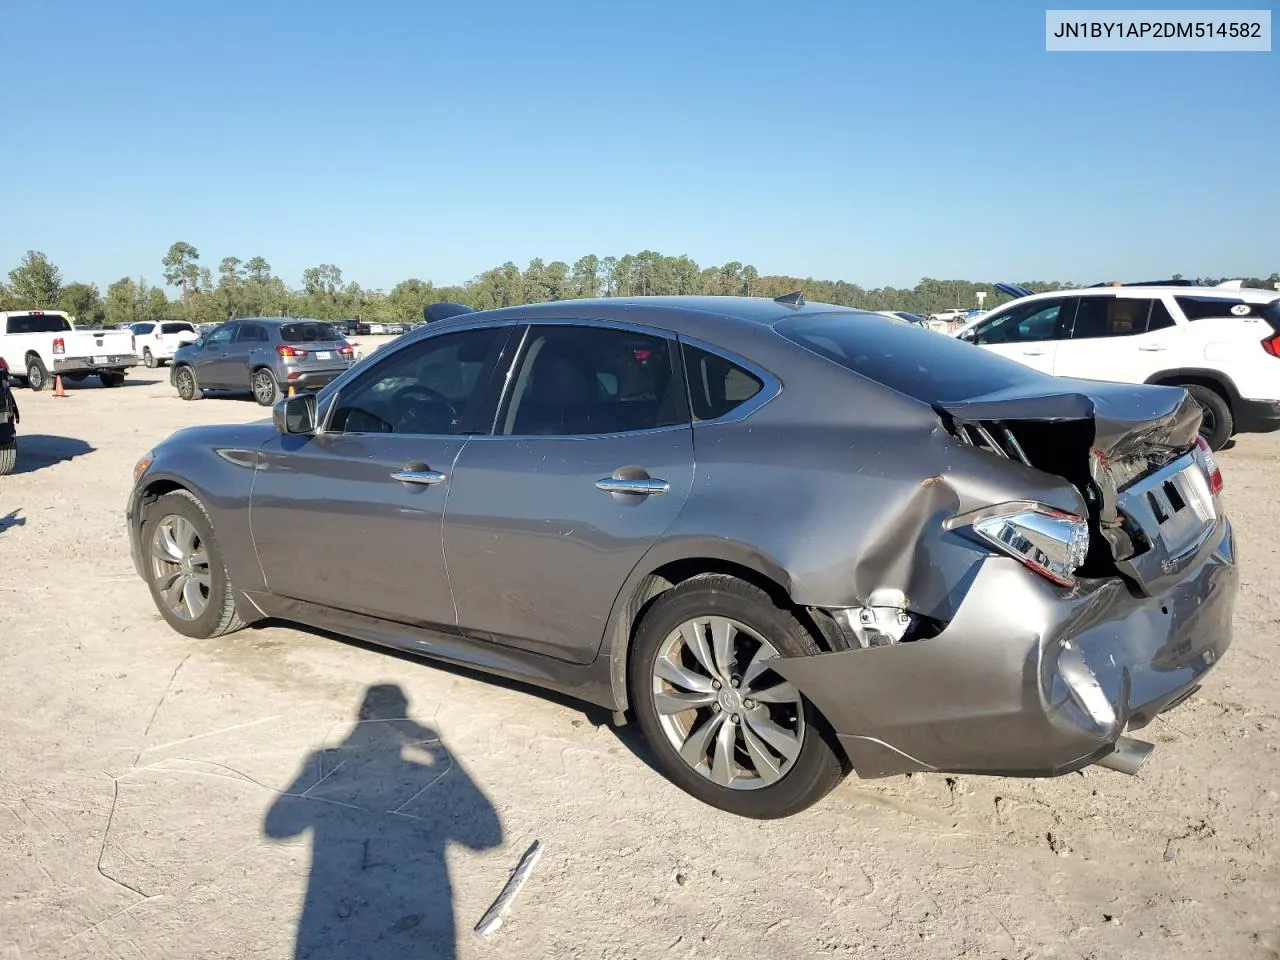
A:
{"x":37,"y":344}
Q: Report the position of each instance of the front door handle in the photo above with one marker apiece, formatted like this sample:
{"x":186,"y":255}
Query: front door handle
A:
{"x":646,"y":487}
{"x":419,"y":473}
{"x":1033,"y":353}
{"x":1153,"y":348}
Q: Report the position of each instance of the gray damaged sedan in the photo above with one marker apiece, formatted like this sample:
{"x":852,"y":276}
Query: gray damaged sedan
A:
{"x":791,"y":540}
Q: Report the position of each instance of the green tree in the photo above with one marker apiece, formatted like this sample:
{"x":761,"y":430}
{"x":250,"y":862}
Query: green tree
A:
{"x":409,"y":297}
{"x":586,"y":276}
{"x":35,"y":283}
{"x":84,"y":302}
{"x":122,"y":302}
{"x":181,"y":268}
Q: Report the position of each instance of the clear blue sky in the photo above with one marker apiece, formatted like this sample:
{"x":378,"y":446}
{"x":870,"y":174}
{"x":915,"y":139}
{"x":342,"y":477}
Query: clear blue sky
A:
{"x":873,"y":142}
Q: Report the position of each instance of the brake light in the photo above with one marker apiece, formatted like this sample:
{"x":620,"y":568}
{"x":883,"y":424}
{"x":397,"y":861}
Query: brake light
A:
{"x":1052,"y":543}
{"x":1272,"y":344}
{"x":59,"y":345}
{"x":1210,"y":464}
{"x":4,"y":365}
{"x":346,"y":350}
{"x":287,"y":351}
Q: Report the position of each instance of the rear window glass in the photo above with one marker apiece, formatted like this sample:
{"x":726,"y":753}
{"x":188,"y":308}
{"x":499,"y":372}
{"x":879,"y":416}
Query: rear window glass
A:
{"x":308,"y":331}
{"x":38,"y":323}
{"x":177,"y":328}
{"x":1211,"y":308}
{"x":927,"y":366}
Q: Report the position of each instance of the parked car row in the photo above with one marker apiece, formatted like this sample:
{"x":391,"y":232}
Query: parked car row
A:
{"x":1042,"y":565}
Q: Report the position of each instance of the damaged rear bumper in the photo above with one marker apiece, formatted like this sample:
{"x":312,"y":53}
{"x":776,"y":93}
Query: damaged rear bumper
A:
{"x":1028,"y":679}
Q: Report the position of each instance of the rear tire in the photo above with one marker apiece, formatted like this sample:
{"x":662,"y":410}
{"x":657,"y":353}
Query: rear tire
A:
{"x":37,"y":374}
{"x":816,"y":767}
{"x":265,"y":389}
{"x":192,"y":562}
{"x":8,"y":457}
{"x":111,"y":379}
{"x":1218,"y":423}
{"x":185,"y":380}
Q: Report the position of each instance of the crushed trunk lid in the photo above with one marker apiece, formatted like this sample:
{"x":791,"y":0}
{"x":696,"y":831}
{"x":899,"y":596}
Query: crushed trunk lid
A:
{"x":1127,"y":448}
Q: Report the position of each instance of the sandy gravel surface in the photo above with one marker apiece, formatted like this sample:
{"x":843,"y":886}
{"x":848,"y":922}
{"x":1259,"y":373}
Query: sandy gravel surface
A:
{"x":141,"y":782}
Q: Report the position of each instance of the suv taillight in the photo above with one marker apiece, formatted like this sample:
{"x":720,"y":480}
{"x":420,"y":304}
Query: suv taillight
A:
{"x":1210,"y":464}
{"x":59,"y":345}
{"x":4,"y":365}
{"x":346,"y":350}
{"x":1272,"y":344}
{"x":287,"y":351}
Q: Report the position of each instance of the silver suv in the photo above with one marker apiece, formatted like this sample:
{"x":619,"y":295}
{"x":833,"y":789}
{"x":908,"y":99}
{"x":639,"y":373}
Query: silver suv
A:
{"x":264,"y":355}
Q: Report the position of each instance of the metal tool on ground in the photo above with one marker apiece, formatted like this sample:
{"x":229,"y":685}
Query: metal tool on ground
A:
{"x":492,"y":918}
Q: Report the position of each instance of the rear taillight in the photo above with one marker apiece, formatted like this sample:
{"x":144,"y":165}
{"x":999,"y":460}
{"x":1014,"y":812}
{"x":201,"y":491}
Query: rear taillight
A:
{"x":287,"y":351}
{"x":59,"y":345}
{"x":1272,"y":344}
{"x":4,"y":365}
{"x":347,"y":351}
{"x":1210,"y":464}
{"x":1048,"y":541}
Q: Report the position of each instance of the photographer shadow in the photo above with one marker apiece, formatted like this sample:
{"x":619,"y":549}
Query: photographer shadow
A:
{"x":381,"y":807}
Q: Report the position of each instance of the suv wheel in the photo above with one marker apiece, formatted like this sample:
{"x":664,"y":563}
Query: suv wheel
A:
{"x":724,"y":727}
{"x":111,"y":379}
{"x":185,"y":380}
{"x":8,"y":457}
{"x":148,"y":360}
{"x":188,"y":581}
{"x":1218,"y":424}
{"x":265,"y":389}
{"x":37,"y":374}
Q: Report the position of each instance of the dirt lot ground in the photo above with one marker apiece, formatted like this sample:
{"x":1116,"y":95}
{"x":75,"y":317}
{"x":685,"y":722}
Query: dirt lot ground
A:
{"x":141,"y":776}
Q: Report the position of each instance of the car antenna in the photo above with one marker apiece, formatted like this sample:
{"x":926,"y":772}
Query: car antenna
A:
{"x":793,"y":299}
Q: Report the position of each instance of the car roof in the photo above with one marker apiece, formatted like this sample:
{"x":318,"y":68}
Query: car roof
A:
{"x":1252,"y":294}
{"x":277,"y":320}
{"x":672,"y":312}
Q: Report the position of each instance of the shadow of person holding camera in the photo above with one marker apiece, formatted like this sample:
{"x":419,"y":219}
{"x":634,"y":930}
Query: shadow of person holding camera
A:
{"x":381,"y":807}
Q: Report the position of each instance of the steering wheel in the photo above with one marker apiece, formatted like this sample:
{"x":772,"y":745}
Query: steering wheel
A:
{"x":424,"y":409}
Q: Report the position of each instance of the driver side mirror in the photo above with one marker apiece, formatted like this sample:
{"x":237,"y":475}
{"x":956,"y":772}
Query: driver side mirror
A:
{"x":969,"y":336}
{"x":296,"y":415}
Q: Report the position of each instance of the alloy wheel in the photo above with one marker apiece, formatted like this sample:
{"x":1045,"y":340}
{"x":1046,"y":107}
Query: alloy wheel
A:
{"x":264,"y":388}
{"x":726,"y":713}
{"x":180,"y":567}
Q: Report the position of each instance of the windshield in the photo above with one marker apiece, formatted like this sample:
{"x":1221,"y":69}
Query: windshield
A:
{"x":309,"y":331}
{"x":927,"y":366}
{"x":38,"y":323}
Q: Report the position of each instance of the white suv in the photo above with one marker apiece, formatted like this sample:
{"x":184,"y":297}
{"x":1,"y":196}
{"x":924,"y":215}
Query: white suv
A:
{"x":157,"y":342}
{"x":1221,"y":343}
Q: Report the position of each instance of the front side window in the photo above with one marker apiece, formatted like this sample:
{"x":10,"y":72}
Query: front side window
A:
{"x":221,"y":335}
{"x":583,"y":381}
{"x":432,"y":388}
{"x":716,"y":386}
{"x":1024,"y":323}
{"x":141,"y":329}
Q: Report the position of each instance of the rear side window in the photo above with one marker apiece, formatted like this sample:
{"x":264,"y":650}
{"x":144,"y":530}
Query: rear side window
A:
{"x":927,"y":366}
{"x":716,"y":386}
{"x":177,"y":328}
{"x":1114,"y":317}
{"x":38,"y":323}
{"x":308,"y":331}
{"x":251,"y":333}
{"x":1213,"y":308}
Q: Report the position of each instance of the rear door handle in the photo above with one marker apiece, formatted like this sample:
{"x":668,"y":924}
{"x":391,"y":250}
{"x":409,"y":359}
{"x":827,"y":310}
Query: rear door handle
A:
{"x":1153,"y":348}
{"x":418,"y":473}
{"x":1033,"y":353}
{"x":647,"y":487}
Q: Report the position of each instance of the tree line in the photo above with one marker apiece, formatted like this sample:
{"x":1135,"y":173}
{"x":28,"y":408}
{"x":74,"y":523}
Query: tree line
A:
{"x":250,"y":288}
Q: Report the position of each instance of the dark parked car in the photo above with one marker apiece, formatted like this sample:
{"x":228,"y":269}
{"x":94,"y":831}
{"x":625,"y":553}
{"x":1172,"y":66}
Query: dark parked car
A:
{"x":263,"y":355}
{"x":8,"y":423}
{"x":790,"y":539}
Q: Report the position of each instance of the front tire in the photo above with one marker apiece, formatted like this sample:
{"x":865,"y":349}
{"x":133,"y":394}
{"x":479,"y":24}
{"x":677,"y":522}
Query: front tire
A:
{"x":8,"y":457}
{"x":37,"y":374}
{"x":148,"y":359}
{"x":265,"y":389}
{"x":724,"y":727}
{"x":185,"y":380}
{"x":185,"y":572}
{"x":1218,"y":424}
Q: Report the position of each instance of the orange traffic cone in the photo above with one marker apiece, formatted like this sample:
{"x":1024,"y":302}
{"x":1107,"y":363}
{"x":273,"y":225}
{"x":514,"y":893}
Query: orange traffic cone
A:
{"x":57,"y":386}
